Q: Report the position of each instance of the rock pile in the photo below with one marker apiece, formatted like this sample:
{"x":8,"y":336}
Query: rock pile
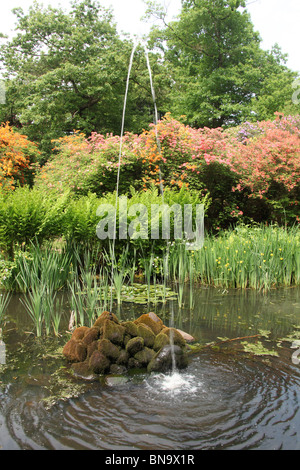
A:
{"x":113,"y":347}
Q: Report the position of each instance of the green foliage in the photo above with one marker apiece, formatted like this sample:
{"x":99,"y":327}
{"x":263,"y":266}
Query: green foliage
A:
{"x":258,"y":257}
{"x":83,"y":165}
{"x":32,"y":215}
{"x":29,"y":214}
{"x":221,"y":76}
{"x":67,"y":70}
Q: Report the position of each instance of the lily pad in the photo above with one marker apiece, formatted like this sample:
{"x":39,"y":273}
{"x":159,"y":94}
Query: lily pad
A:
{"x":258,"y":349}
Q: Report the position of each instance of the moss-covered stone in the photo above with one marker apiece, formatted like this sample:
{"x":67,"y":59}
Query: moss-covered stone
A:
{"x":110,"y":350}
{"x":117,"y":369}
{"x":163,"y":361}
{"x":80,"y":332}
{"x":92,"y":347}
{"x":99,"y":363}
{"x":130,"y":328}
{"x":135,"y":345}
{"x":126,"y":339}
{"x":151,"y":320}
{"x":91,"y":335}
{"x":161,"y":340}
{"x":123,"y":357}
{"x":75,"y":351}
{"x":83,"y":371}
{"x":105,"y":316}
{"x":144,"y":356}
{"x":114,"y":346}
{"x":177,"y":338}
{"x":113,"y":331}
{"x":133,"y":363}
{"x":147,"y":334}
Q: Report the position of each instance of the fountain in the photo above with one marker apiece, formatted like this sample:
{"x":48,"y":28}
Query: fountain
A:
{"x":175,"y":380}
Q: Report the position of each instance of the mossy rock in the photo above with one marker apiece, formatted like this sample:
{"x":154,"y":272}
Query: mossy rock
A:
{"x":117,"y":369}
{"x":130,"y":328}
{"x":163,"y":361}
{"x":144,"y":356}
{"x":123,"y":357}
{"x":135,"y":345}
{"x":161,"y":340}
{"x":91,"y":335}
{"x":147,"y":334}
{"x":111,"y":346}
{"x":177,"y":338}
{"x":99,"y":363}
{"x":113,"y":331}
{"x":83,"y":371}
{"x":151,"y":320}
{"x":91,"y":348}
{"x":133,"y":363}
{"x":106,"y":316}
{"x":80,"y":332}
{"x":75,"y":351}
{"x":126,"y":339}
{"x":110,"y":350}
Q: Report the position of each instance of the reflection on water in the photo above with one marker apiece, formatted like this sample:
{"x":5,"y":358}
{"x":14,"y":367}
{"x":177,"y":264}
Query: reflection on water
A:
{"x":225,"y":399}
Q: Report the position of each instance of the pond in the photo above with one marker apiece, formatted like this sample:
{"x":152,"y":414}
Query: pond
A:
{"x":231,"y":396}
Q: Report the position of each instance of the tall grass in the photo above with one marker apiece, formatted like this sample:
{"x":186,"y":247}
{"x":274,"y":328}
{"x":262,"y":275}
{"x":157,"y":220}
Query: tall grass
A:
{"x":258,"y":257}
{"x":4,"y":301}
{"x":89,"y":287}
{"x":40,"y":273}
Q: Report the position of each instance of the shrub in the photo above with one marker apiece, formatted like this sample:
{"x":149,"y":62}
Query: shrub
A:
{"x":90,"y":165}
{"x":250,"y":172}
{"x":17,"y":158}
{"x":29,"y":214}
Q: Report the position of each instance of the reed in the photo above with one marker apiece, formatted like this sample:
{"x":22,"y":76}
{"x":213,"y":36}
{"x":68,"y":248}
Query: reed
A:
{"x":34,"y":304}
{"x":4,"y":302}
{"x":88,"y":288}
{"x":44,"y":265}
{"x":257,"y":257}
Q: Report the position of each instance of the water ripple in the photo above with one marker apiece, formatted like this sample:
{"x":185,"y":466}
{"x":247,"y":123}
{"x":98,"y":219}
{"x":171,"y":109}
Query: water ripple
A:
{"x":217,"y":403}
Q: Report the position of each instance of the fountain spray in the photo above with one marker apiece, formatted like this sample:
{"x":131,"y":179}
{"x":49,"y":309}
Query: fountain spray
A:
{"x":160,"y":176}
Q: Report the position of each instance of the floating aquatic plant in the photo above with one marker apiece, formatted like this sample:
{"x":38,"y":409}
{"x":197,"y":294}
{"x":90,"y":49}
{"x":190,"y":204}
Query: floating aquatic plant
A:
{"x":258,"y":349}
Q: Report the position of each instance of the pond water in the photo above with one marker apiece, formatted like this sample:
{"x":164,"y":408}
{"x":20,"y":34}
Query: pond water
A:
{"x":227,"y":398}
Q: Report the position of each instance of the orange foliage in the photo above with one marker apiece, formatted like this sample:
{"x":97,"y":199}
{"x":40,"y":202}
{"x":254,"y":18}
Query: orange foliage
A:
{"x":16,"y":155}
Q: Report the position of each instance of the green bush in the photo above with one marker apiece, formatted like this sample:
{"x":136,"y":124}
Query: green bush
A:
{"x":29,"y":214}
{"x":33,"y":215}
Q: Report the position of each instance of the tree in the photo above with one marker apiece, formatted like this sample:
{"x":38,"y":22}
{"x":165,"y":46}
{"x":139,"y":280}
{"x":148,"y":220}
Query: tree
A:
{"x":221,"y":76}
{"x":67,"y":70}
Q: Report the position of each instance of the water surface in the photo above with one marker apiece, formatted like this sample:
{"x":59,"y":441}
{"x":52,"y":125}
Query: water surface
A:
{"x":225,"y":399}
